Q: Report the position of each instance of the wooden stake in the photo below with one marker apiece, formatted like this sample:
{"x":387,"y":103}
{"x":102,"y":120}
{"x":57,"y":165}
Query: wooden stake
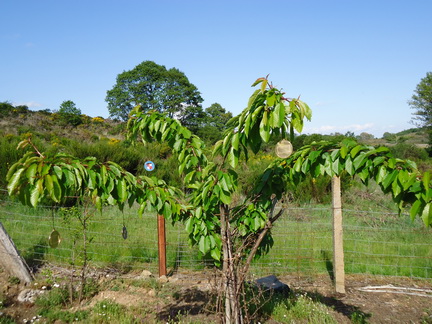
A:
{"x":162,"y":246}
{"x":338,"y":253}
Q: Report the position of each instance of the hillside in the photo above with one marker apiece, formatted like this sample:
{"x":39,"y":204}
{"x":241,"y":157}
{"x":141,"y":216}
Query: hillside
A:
{"x":104,"y":139}
{"x":48,"y":125}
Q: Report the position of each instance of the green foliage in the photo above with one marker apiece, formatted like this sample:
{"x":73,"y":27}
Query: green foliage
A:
{"x":154,"y":88}
{"x":268,"y":114}
{"x":209,"y":125}
{"x":409,"y":151}
{"x":297,"y":308}
{"x":54,"y":297}
{"x":421,"y":101}
{"x":398,"y":177}
{"x":54,"y":315}
{"x":6,"y":108}
{"x":230,"y":231}
{"x":69,"y":113}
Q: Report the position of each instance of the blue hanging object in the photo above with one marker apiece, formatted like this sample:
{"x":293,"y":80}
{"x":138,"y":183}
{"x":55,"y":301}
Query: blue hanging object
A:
{"x":149,"y":166}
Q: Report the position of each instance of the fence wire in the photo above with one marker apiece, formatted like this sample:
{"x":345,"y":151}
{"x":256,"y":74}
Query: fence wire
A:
{"x":374,"y":243}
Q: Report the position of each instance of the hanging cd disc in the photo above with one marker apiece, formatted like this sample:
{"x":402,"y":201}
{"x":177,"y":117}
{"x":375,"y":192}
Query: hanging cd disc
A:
{"x":54,"y":239}
{"x":124,"y":233}
{"x":284,"y":149}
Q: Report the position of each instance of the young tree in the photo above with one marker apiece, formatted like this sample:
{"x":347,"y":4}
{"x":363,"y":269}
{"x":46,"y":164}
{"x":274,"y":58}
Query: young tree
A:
{"x":154,"y":88}
{"x":232,"y":231}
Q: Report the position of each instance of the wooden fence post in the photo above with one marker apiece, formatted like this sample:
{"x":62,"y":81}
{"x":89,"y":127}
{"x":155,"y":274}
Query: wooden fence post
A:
{"x":162,"y":246}
{"x":338,"y":253}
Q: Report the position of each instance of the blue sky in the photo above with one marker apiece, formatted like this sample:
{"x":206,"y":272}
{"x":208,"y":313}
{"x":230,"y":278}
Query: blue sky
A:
{"x":356,"y":63}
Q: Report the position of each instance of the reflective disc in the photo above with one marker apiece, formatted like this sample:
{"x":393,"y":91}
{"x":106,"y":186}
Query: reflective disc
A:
{"x":284,"y":149}
{"x":149,"y":166}
{"x":54,"y":239}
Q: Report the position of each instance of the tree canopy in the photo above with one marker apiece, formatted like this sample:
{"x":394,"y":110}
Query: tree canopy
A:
{"x":421,"y":101}
{"x":154,"y":87}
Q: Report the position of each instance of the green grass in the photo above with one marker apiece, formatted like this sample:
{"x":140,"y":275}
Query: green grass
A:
{"x":380,"y":243}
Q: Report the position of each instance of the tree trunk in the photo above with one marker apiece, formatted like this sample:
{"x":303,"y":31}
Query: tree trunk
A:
{"x":233,"y":313}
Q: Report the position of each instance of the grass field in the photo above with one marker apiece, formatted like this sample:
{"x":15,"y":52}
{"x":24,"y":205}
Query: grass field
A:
{"x":375,"y":242}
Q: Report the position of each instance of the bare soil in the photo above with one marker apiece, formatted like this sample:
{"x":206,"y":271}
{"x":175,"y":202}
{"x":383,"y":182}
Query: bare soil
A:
{"x":402,"y":300}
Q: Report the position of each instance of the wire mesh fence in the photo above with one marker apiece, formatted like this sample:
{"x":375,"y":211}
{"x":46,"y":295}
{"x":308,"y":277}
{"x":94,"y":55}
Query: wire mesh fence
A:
{"x":374,"y":242}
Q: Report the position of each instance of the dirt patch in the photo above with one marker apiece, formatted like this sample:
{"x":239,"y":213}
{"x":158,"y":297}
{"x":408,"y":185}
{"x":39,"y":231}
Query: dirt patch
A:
{"x":411,"y":303}
{"x":392,"y":306}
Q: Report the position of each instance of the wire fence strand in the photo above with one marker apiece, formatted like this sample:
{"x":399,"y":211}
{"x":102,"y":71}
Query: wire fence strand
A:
{"x":374,"y":243}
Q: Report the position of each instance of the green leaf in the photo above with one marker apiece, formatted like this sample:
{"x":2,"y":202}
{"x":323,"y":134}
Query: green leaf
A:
{"x":233,"y":157}
{"x":226,"y":199}
{"x":305,"y":166}
{"x":14,"y":180}
{"x":355,"y":150}
{"x":427,"y":214}
{"x":35,"y":193}
{"x":235,"y":141}
{"x":12,"y":170}
{"x":216,"y":254}
{"x":122,"y":190}
{"x":264,"y":128}
{"x":415,"y":208}
{"x":389,"y":179}
{"x":57,"y":191}
{"x":426,"y":179}
{"x":349,"y":166}
{"x":31,"y":172}
{"x":263,"y":85}
{"x":359,"y":161}
{"x":337,"y":167}
{"x":201,"y":244}
{"x":343,"y":151}
{"x":305,"y":110}
{"x":114,"y":169}
{"x":49,"y":186}
{"x":313,"y":155}
{"x":381,"y":174}
{"x":396,"y":188}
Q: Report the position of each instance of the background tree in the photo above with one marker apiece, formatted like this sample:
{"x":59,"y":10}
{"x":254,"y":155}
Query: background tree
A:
{"x":154,"y":88}
{"x":214,"y":123}
{"x":421,"y":101}
{"x":69,"y":113}
{"x":193,"y":118}
{"x":5,"y":108}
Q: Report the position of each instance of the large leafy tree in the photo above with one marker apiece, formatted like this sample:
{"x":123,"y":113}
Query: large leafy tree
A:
{"x":154,"y":88}
{"x":421,"y":101}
